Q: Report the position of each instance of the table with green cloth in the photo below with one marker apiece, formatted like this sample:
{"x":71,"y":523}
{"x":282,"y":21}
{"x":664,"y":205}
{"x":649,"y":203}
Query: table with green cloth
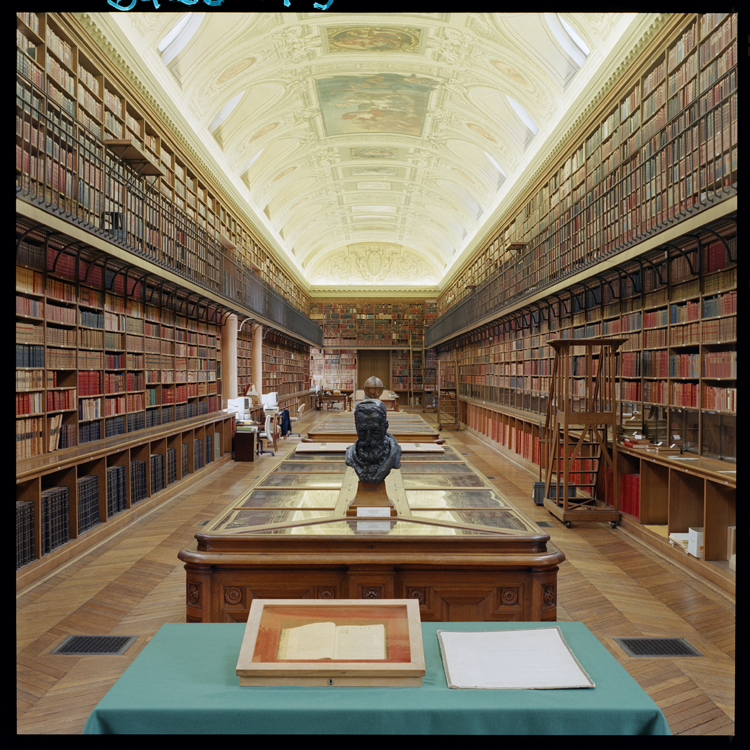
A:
{"x":184,"y":682}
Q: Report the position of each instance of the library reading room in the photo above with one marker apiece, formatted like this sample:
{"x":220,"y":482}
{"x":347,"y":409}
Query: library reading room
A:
{"x":376,"y":373}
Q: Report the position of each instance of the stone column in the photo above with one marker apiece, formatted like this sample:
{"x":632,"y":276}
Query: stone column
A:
{"x":229,"y":360}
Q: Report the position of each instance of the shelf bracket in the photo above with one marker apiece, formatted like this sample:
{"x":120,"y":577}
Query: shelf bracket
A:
{"x":654,"y":266}
{"x":723,"y":242}
{"x":684,"y":255}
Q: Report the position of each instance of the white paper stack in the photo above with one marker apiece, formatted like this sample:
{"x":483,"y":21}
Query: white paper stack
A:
{"x":534,"y":659}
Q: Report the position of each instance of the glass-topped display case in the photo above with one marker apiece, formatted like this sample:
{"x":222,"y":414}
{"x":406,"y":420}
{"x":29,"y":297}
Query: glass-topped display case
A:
{"x":453,"y":542}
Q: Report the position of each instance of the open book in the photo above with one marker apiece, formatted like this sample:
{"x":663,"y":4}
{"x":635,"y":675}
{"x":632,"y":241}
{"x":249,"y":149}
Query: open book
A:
{"x":324,"y":640}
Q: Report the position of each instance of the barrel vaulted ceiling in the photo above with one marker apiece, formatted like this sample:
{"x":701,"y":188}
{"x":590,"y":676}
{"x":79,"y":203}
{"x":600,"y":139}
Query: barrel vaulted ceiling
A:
{"x":373,"y":149}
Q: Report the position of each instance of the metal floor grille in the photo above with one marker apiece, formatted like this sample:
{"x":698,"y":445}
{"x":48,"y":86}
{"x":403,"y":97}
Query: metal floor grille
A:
{"x":544,"y":523}
{"x":90,"y":645}
{"x":657,"y":647}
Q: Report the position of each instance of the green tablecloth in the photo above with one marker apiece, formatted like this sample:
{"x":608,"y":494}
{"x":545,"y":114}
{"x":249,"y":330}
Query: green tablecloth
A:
{"x":184,"y":682}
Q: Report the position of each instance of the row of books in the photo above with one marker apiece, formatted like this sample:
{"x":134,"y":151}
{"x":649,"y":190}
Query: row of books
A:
{"x":157,"y":472}
{"x":630,"y":494}
{"x":720,"y":399}
{"x":29,"y":355}
{"x":54,"y":518}
{"x":88,"y":502}
{"x":25,"y":533}
{"x":720,"y":364}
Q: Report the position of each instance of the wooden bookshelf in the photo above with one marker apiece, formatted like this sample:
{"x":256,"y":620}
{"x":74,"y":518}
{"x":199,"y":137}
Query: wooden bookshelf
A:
{"x":677,"y":309}
{"x":286,"y":366}
{"x":398,"y":326}
{"x":676,"y":306}
{"x":337,"y":368}
{"x":130,"y":474}
{"x":75,"y":101}
{"x":662,"y":150}
{"x":96,"y":359}
{"x":244,"y":361}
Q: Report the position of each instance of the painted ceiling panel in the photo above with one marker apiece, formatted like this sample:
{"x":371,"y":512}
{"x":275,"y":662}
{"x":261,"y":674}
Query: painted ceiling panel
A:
{"x":398,"y":124}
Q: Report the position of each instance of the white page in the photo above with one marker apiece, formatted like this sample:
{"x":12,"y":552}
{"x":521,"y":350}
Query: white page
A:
{"x":360,"y":642}
{"x":510,"y":660}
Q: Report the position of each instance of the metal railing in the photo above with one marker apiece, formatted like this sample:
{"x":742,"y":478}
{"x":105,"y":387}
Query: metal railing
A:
{"x":66,"y":170}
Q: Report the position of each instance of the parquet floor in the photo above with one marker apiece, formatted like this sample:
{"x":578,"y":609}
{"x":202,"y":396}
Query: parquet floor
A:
{"x":133,"y":583}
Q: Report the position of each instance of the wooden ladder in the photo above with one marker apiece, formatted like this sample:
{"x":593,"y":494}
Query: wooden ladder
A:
{"x":581,"y":408}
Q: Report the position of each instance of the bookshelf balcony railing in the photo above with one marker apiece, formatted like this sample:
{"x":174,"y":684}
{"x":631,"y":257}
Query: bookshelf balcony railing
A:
{"x":687,"y":166}
{"x":64,"y":169}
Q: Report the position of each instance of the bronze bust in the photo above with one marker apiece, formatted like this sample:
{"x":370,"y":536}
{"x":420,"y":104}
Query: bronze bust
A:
{"x":375,"y":451}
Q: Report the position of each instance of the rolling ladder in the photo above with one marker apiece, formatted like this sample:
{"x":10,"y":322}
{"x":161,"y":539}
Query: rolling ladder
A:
{"x":447,"y":395}
{"x":581,"y":407}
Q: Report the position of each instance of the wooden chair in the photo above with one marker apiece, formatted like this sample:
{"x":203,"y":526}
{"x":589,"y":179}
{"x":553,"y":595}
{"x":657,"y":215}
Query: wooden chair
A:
{"x":268,"y":434}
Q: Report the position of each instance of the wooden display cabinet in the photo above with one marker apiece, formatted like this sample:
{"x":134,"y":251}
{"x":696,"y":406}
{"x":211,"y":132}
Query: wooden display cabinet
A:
{"x":456,"y":546}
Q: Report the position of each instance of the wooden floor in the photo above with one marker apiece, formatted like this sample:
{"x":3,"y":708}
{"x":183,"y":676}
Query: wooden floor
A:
{"x":133,"y":583}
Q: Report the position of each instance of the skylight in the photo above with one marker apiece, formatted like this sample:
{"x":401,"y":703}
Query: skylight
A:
{"x":577,"y":39}
{"x":252,"y":161}
{"x":568,"y":39}
{"x":496,"y":165}
{"x":226,"y":110}
{"x":524,"y":115}
{"x":182,"y":32}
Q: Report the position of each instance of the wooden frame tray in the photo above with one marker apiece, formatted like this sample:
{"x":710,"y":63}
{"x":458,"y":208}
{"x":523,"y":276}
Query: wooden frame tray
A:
{"x":280,"y":631}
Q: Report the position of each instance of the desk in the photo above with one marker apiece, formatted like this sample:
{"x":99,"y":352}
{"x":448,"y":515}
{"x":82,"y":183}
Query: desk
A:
{"x":184,"y":682}
{"x":333,"y":398}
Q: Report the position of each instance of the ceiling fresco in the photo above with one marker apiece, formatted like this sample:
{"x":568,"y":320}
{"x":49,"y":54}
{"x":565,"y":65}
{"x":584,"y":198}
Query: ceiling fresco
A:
{"x":373,"y":149}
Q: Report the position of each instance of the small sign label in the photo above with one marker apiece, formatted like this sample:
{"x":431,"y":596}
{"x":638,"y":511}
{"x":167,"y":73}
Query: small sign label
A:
{"x":373,"y":512}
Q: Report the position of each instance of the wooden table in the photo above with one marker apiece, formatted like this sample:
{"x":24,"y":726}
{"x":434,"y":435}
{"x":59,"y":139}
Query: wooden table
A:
{"x":184,"y":682}
{"x":456,"y":545}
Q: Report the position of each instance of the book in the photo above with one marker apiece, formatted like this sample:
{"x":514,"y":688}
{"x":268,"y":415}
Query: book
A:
{"x":325,"y":640}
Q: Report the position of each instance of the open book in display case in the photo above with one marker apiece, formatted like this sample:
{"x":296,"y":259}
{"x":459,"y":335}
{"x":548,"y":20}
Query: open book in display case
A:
{"x":345,"y":642}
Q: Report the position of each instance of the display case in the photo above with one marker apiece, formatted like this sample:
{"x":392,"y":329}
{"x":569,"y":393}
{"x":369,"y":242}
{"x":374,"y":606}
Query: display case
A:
{"x":456,"y":545}
{"x":350,"y":642}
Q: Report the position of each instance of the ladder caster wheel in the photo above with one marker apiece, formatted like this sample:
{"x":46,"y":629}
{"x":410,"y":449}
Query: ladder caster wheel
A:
{"x":614,"y":524}
{"x":567,"y":524}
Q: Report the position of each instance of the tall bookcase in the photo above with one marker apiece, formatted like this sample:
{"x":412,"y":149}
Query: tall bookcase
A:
{"x":676,"y":306}
{"x":118,"y":397}
{"x":245,"y":361}
{"x":677,"y":309}
{"x":75,"y":103}
{"x":286,"y":367}
{"x":398,"y":326}
{"x":100,"y":354}
{"x":662,"y":148}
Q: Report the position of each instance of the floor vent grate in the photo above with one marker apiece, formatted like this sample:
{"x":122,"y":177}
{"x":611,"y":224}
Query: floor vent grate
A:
{"x":657,"y":647}
{"x":92,"y":645}
{"x":543,"y":523}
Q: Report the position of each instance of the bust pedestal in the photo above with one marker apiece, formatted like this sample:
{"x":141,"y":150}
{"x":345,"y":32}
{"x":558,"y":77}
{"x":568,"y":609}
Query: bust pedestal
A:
{"x":371,"y":495}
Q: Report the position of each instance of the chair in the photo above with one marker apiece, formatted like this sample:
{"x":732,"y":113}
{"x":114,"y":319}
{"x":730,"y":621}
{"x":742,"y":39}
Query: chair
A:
{"x":294,"y":418}
{"x":268,"y":433}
